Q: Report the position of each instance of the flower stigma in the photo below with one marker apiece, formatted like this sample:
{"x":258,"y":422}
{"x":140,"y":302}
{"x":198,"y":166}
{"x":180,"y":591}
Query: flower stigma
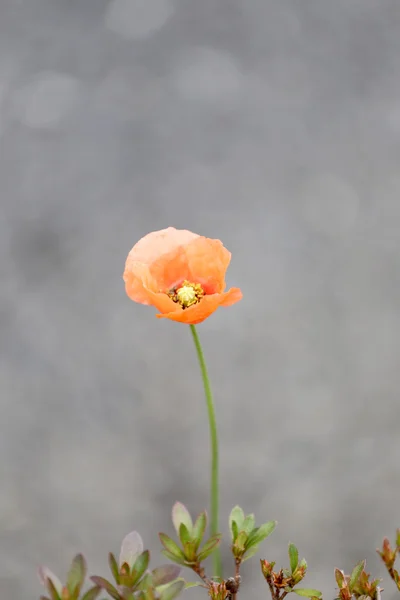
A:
{"x":187,"y":294}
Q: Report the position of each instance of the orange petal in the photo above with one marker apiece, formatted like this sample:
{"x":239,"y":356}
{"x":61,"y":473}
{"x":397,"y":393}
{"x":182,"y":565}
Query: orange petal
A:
{"x":208,"y":261}
{"x":136,"y":277}
{"x":199,"y":312}
{"x":153,"y":245}
{"x":232,"y":296}
{"x":157,"y":262}
{"x":169,"y":270}
{"x":163,"y":303}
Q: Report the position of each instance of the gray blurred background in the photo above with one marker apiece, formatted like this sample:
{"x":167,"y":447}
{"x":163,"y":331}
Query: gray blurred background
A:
{"x":273,"y":125}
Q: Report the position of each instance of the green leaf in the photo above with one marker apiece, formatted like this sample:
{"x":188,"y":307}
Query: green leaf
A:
{"x":236,"y":516}
{"x":248,"y":524}
{"x":125,"y":592}
{"x":398,"y":538}
{"x":191,"y":584}
{"x":125,"y":577}
{"x":241,"y":540}
{"x":76,"y":574}
{"x":165,"y":574}
{"x":131,"y":547}
{"x":189,"y":550}
{"x":51,"y":588}
{"x":180,"y":514}
{"x":105,"y":585}
{"x":184,"y":534}
{"x":303,"y":563}
{"x":141,"y":564}
{"x":199,"y":528}
{"x":171,"y":546}
{"x":308,"y":592}
{"x":113,"y":567}
{"x":251,"y":552}
{"x":340,"y":578}
{"x":209,"y":547}
{"x":46,"y":575}
{"x":173,"y":558}
{"x":293,"y":557}
{"x":286,"y":573}
{"x":146,"y":583}
{"x":171,"y":590}
{"x":234,"y":531}
{"x":355,"y":574}
{"x":92,"y":593}
{"x":260,"y":533}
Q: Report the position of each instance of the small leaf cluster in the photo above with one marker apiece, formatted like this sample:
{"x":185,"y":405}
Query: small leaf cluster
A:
{"x":245,"y":536}
{"x":188,"y":552}
{"x":283,"y":582}
{"x":389,"y":555}
{"x":357,"y":585}
{"x":132,"y":578}
{"x":74,"y":583}
{"x":217,"y":590}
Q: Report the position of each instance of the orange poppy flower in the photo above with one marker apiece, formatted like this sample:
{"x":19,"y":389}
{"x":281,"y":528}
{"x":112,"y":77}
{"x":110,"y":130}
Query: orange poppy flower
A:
{"x":181,"y":273}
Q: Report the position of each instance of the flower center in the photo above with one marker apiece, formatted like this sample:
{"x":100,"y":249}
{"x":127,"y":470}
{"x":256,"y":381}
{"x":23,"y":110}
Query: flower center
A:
{"x":187,"y":294}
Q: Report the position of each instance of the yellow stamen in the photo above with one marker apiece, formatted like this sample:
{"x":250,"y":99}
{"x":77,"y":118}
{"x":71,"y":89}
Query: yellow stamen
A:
{"x":187,"y":294}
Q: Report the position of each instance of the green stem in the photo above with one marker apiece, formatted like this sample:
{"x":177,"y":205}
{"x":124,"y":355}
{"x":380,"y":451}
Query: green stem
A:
{"x":214,"y":499}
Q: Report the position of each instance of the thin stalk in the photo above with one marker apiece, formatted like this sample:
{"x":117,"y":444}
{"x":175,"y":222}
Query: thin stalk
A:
{"x":214,"y":488}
